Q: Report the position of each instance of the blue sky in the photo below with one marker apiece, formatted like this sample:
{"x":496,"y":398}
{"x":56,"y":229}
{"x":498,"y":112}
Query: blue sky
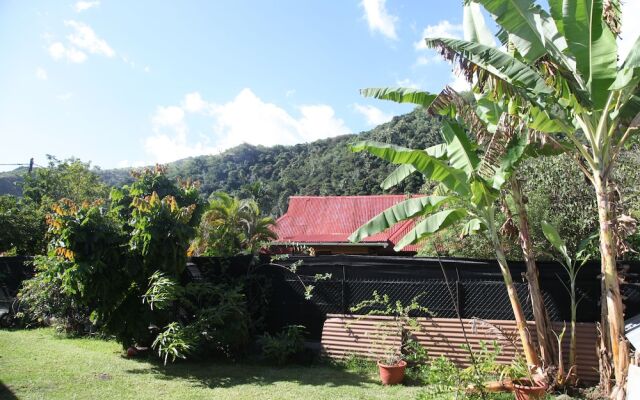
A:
{"x":127,"y":83}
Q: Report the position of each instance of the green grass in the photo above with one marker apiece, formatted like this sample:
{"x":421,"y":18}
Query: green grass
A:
{"x":38,"y":364}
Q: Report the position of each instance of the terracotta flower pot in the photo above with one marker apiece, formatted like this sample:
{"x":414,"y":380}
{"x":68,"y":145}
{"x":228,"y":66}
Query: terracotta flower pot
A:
{"x":392,"y":374}
{"x":525,"y":389}
{"x":505,"y":385}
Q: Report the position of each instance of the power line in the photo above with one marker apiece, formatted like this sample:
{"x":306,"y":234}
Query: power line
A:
{"x":30,"y":164}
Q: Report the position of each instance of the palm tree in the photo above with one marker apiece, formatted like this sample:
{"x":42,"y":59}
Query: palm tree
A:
{"x":231,"y":226}
{"x":561,"y":75}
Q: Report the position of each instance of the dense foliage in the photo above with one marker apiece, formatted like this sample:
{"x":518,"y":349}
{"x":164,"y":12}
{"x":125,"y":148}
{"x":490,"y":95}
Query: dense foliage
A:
{"x":121,"y":265}
{"x":23,"y":218}
{"x":232,"y":227}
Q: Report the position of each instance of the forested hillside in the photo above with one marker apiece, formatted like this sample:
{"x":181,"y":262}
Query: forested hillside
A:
{"x":556,"y":189}
{"x":272,"y":174}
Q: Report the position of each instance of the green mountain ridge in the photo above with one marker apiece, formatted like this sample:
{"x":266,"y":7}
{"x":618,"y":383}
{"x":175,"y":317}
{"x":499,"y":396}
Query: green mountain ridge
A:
{"x":272,"y":174}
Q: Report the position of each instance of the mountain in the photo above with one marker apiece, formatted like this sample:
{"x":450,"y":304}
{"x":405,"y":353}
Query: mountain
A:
{"x":272,"y":174}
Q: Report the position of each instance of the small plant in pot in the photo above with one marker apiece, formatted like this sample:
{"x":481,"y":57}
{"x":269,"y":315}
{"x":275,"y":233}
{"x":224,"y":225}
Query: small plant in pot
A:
{"x":392,"y":368}
{"x":392,"y":336}
{"x":517,"y":376}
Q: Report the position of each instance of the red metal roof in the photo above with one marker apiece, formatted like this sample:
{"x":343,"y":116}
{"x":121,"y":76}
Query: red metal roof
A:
{"x":331,"y":219}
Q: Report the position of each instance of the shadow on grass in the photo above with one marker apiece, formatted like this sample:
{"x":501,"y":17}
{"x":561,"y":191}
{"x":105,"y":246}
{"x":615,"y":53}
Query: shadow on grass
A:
{"x":6,"y":393}
{"x":224,"y":374}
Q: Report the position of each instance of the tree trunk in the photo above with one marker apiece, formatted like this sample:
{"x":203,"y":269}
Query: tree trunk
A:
{"x":574,"y":309}
{"x":543,"y":324}
{"x":615,"y":312}
{"x":521,"y":322}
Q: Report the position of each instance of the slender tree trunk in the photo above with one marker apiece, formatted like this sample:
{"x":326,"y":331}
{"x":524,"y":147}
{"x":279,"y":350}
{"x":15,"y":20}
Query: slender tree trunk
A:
{"x":521,"y":322}
{"x":540,"y":315}
{"x":615,"y":312}
{"x":572,"y":344}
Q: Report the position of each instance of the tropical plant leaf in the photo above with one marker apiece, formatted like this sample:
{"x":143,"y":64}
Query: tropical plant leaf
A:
{"x":404,"y":210}
{"x":451,"y":103}
{"x":555,"y":7}
{"x":482,"y":195}
{"x":403,"y":171}
{"x":552,"y":235}
{"x":460,"y":151}
{"x":629,"y":74}
{"x":472,"y":227}
{"x":629,"y":114}
{"x":474,"y":27}
{"x":397,"y":176}
{"x":400,"y":95}
{"x":508,"y":161}
{"x":593,"y":46}
{"x":434,"y":169}
{"x":541,"y":121}
{"x":531,"y":29}
{"x":430,"y":225}
{"x":474,"y":57}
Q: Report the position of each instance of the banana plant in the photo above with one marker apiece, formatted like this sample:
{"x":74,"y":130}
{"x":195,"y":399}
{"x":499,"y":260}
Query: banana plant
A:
{"x":482,"y":117}
{"x":559,"y":70}
{"x":471,"y":184}
{"x":572,"y":266}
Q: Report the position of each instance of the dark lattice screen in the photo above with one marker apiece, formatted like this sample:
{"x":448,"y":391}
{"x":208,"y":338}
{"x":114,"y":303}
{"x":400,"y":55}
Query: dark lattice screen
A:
{"x":477,"y":288}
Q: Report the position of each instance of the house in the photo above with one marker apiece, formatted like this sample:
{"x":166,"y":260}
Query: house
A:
{"x":324,"y":223}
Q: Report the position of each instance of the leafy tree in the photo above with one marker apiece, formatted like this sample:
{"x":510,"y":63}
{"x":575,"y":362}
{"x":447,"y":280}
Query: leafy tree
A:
{"x":23,"y":219}
{"x":23,"y":226}
{"x":562,"y":77}
{"x":69,"y":179}
{"x":232,"y":227}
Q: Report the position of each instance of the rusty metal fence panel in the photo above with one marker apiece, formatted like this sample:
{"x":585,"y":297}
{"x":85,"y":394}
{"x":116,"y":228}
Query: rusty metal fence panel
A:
{"x":345,"y":335}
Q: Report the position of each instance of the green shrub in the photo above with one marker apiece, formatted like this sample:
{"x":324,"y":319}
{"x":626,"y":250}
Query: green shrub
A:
{"x":42,"y":301}
{"x":282,"y":346}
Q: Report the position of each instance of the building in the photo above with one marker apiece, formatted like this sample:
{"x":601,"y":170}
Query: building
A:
{"x":324,"y":223}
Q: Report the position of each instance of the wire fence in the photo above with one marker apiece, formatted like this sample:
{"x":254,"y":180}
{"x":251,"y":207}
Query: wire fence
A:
{"x":477,"y":285}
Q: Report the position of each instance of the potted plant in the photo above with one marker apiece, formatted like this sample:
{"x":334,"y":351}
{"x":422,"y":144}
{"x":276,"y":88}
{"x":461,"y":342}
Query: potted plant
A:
{"x":391,"y":369}
{"x":529,"y":389}
{"x":517,"y":376}
{"x":392,"y":365}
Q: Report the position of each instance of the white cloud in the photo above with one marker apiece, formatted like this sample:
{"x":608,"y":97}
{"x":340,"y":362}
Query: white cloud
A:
{"x":290,"y":93}
{"x":459,"y":83}
{"x":58,"y":51}
{"x":64,"y":96}
{"x":379,"y":19}
{"x":171,"y":116}
{"x":443,"y":29}
{"x":407,"y":83}
{"x":373,"y":115}
{"x":41,"y":74}
{"x":147,"y":69}
{"x":630,"y":28}
{"x":194,"y":103}
{"x":81,"y":6}
{"x":85,"y":38}
{"x":245,"y":119}
{"x":427,"y":60}
{"x":133,"y":164}
{"x":319,"y":121}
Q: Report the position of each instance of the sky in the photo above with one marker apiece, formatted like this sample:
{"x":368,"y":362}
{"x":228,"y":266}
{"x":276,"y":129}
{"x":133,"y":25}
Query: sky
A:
{"x":131,"y":83}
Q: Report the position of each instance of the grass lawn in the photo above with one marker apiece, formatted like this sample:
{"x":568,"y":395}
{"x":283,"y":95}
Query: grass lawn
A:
{"x":38,"y":364}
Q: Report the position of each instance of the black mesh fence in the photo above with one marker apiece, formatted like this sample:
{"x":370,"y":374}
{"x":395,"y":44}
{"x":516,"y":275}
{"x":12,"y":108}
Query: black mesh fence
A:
{"x":477,"y":288}
{"x":476,"y":285}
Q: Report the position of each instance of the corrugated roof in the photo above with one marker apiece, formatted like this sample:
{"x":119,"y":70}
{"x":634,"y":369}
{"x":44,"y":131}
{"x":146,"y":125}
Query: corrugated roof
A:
{"x":331,"y":219}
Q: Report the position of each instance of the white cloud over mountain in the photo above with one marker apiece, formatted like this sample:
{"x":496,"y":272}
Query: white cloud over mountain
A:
{"x":244,"y":119}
